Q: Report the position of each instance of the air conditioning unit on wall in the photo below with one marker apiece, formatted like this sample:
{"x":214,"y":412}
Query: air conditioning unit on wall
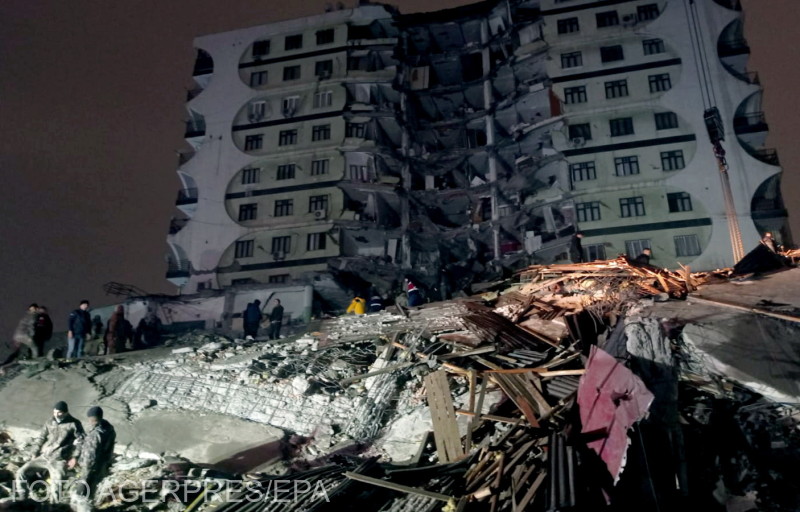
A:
{"x":320,"y":214}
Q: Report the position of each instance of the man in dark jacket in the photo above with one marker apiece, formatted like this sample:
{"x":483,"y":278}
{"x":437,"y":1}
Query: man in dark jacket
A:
{"x":95,"y":452}
{"x":23,"y":335}
{"x":576,"y":249}
{"x":275,"y":321}
{"x":80,"y":328}
{"x":644,"y":258}
{"x":43,"y":330}
{"x":252,"y":318}
{"x":53,"y":448}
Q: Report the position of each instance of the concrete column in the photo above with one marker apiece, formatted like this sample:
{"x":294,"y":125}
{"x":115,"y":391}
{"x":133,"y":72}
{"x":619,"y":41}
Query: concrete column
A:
{"x":488,"y":101}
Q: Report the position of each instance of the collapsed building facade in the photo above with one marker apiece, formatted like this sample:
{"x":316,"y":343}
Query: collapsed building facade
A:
{"x":367,"y":146}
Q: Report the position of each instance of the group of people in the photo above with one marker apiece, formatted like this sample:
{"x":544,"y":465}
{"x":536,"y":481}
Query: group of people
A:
{"x":63,"y":446}
{"x":360,"y":306}
{"x":253,"y":316}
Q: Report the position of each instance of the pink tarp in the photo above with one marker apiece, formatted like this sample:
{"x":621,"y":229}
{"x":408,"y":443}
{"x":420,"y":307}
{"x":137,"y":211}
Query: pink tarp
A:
{"x":611,"y":399}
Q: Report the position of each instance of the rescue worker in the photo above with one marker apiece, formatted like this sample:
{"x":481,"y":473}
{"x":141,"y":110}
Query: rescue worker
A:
{"x":644,"y":258}
{"x":95,"y":452}
{"x":576,"y":249}
{"x":252,"y":318}
{"x":357,"y":306}
{"x":413,"y":293}
{"x":26,"y":329}
{"x":80,"y":328}
{"x":375,"y":303}
{"x":275,"y":321}
{"x":43,"y":330}
{"x":53,"y":450}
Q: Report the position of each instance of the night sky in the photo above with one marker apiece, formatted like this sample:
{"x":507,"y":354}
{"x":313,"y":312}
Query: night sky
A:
{"x":91,"y":113}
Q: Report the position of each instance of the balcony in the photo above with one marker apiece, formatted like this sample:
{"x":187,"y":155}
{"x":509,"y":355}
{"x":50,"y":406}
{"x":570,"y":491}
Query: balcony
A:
{"x":193,"y":93}
{"x":186,"y":196}
{"x":732,"y":48}
{"x":766,"y":155}
{"x":734,"y":5}
{"x":754,"y":122}
{"x":203,"y":64}
{"x":177,"y":224}
{"x":184,"y":156}
{"x":195,"y":128}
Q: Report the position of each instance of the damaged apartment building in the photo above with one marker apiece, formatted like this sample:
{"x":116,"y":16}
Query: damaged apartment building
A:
{"x":360,"y":146}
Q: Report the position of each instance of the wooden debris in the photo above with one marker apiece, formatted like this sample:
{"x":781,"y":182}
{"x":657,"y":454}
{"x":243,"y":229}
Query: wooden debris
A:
{"x":445,"y":428}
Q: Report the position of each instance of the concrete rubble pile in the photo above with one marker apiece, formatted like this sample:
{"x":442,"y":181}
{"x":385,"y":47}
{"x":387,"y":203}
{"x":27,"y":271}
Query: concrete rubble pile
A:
{"x":571,"y":389}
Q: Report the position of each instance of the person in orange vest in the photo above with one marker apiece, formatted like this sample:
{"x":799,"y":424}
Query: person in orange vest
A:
{"x":357,"y":306}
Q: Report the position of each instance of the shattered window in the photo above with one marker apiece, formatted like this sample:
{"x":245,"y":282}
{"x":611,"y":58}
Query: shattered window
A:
{"x":607,"y":19}
{"x":679,"y":202}
{"x":252,"y":142}
{"x":660,"y":82}
{"x":291,"y":73}
{"x":634,"y":248}
{"x":323,"y":99}
{"x":580,"y":131}
{"x":611,"y":53}
{"x":672,"y":160}
{"x":315,"y":242}
{"x":594,"y":252}
{"x":647,"y":12}
{"x":687,"y":245}
{"x":575,"y":95}
{"x":294,"y":42}
{"x":281,"y":245}
{"x":588,"y":212}
{"x":631,"y":207}
{"x":583,"y":171}
{"x":284,"y":207}
{"x":319,"y":167}
{"x":243,"y":249}
{"x":616,"y":89}
{"x":323,"y":68}
{"x":621,"y":126}
{"x":666,"y":120}
{"x":653,"y":46}
{"x":261,"y":48}
{"x":248,"y":211}
{"x":285,"y":172}
{"x":321,"y":132}
{"x":568,"y":25}
{"x":325,"y":36}
{"x":318,"y":203}
{"x":258,"y":78}
{"x":278,"y":279}
{"x":626,"y":165}
{"x":287,"y":137}
{"x":571,"y":60}
{"x":251,"y":175}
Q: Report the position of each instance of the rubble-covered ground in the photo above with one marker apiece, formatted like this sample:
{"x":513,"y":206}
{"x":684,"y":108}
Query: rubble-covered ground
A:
{"x":486,"y":403}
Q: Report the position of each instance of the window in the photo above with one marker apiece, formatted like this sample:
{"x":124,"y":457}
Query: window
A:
{"x":588,"y":212}
{"x":284,"y":207}
{"x":323,"y":99}
{"x":323,"y":68}
{"x":666,"y":120}
{"x":607,"y":19}
{"x":248,"y":211}
{"x":287,"y":137}
{"x":291,"y":73}
{"x":258,"y":78}
{"x":315,"y":242}
{"x":687,"y":245}
{"x":653,"y":46}
{"x":251,"y":175}
{"x":568,"y":25}
{"x":325,"y":36}
{"x":256,"y":111}
{"x":611,"y":53}
{"x":358,"y":130}
{"x":631,"y":207}
{"x":321,"y":132}
{"x":672,"y":160}
{"x":281,"y":244}
{"x":278,"y":279}
{"x":289,"y":105}
{"x":246,"y":280}
{"x":634,"y":248}
{"x":243,"y":249}
{"x":647,"y":12}
{"x":616,"y":89}
{"x":316,"y":203}
{"x":581,"y":130}
{"x":679,"y":202}
{"x":294,"y":42}
{"x":621,"y":126}
{"x":659,"y":83}
{"x":285,"y":172}
{"x":626,"y":165}
{"x":252,"y":142}
{"x":583,"y":171}
{"x":575,"y":95}
{"x":571,"y":60}
{"x":261,"y":48}
{"x":594,"y":252}
{"x":319,"y":167}
{"x":359,"y":173}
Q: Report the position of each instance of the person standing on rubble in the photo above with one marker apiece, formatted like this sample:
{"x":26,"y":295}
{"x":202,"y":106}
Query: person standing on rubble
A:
{"x":26,"y":329}
{"x":94,"y":452}
{"x":80,"y":328}
{"x":413,"y":293}
{"x":275,"y":321}
{"x":644,"y":258}
{"x":576,"y":249}
{"x":375,"y":302}
{"x":116,"y":331}
{"x":53,"y":450}
{"x":357,"y":306}
{"x":42,"y":330}
{"x":252,"y":319}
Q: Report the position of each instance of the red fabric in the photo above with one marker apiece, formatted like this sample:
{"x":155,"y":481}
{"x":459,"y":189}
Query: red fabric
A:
{"x":611,"y":399}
